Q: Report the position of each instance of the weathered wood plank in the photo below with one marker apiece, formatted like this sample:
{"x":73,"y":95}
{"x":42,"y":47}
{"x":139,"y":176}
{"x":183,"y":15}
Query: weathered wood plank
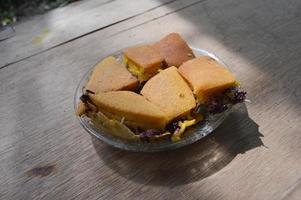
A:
{"x":66,"y":23}
{"x":38,"y":127}
{"x":127,"y":24}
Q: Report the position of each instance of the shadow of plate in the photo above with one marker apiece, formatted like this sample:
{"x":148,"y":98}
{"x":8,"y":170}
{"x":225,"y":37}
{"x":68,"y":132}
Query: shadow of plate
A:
{"x":237,"y":134}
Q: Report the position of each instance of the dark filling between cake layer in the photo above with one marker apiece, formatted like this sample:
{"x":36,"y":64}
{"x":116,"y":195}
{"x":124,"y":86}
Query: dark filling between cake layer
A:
{"x":220,"y":103}
{"x":214,"y":105}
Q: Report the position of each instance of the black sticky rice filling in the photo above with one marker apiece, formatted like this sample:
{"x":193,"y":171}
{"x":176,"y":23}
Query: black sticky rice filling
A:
{"x":220,"y":103}
{"x":214,"y":105}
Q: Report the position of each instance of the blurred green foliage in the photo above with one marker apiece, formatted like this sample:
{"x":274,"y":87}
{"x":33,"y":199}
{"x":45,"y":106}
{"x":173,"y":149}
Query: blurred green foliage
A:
{"x":11,"y":10}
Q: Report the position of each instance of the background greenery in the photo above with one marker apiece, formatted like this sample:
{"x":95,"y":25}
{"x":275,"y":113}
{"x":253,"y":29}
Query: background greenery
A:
{"x":12,"y":10}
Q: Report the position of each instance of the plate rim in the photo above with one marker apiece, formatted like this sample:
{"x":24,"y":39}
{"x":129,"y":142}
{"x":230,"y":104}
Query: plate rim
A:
{"x":144,"y":146}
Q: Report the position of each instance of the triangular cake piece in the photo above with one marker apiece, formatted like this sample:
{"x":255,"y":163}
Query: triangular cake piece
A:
{"x":132,"y":107}
{"x":169,"y":91}
{"x":110,"y":75}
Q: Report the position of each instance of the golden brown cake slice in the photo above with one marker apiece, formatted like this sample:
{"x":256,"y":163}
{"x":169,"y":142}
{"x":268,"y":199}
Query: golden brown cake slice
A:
{"x":174,"y":49}
{"x":143,"y":61}
{"x":110,"y":75}
{"x":132,"y":107}
{"x":169,"y":91}
{"x":206,"y":76}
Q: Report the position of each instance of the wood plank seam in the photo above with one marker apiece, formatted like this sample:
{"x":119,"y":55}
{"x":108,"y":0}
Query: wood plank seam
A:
{"x":88,"y":33}
{"x":291,"y":189}
{"x":153,"y":19}
{"x":38,"y":127}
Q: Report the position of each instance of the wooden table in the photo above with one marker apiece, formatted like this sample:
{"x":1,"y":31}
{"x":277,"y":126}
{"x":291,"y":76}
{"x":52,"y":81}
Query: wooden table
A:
{"x":254,"y":154}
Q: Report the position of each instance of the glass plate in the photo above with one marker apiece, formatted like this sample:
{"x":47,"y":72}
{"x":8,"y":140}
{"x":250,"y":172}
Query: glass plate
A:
{"x":193,"y":134}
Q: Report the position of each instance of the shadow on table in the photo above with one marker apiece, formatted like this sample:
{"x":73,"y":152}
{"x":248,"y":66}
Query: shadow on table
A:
{"x":236,"y":135}
{"x":264,"y":33}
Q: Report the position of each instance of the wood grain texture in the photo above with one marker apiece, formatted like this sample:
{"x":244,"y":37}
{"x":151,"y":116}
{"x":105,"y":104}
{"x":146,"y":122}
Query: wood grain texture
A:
{"x":255,"y":154}
{"x":67,"y":23}
{"x":120,"y":26}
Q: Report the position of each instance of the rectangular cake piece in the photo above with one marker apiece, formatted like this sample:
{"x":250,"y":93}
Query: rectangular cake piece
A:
{"x":206,"y":77}
{"x":143,"y":61}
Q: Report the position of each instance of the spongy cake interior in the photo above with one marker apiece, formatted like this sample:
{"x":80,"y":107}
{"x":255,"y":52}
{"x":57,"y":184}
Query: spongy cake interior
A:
{"x":143,"y":61}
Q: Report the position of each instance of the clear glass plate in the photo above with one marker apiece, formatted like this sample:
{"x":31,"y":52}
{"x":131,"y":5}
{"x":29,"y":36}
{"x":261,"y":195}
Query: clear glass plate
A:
{"x":193,"y":134}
